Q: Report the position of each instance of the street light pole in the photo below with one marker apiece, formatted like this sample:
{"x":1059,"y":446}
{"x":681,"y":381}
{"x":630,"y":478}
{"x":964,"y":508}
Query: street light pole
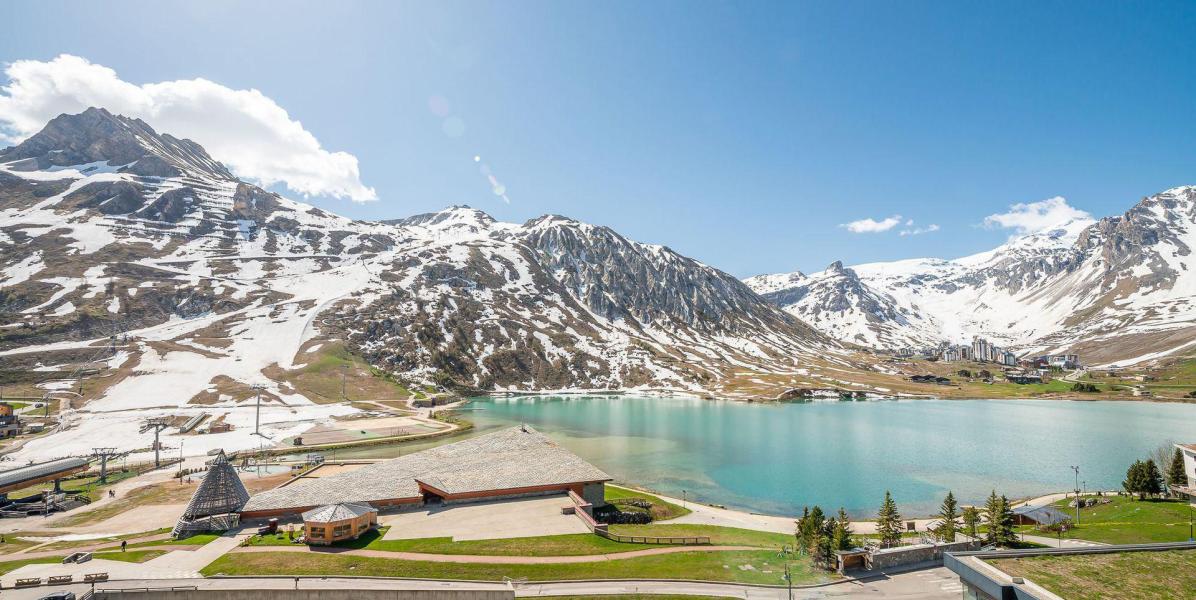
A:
{"x":1076,"y":468}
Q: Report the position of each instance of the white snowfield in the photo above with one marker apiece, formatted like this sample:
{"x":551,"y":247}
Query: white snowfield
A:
{"x":264,"y":334}
{"x":286,"y":281}
{"x":1026,"y":294}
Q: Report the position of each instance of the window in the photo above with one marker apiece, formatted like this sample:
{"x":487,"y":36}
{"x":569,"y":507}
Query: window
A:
{"x":340,"y":530}
{"x":316,"y":532}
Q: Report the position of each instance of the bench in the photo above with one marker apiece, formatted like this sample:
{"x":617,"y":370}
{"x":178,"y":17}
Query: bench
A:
{"x":95,"y":577}
{"x":60,"y":579}
{"x":29,"y":582}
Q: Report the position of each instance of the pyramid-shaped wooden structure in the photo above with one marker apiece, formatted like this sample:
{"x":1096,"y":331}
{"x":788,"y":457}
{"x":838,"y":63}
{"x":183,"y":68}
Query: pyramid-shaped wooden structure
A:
{"x":216,"y":502}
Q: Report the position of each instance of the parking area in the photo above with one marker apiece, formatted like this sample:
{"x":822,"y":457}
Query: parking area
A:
{"x":524,"y":517}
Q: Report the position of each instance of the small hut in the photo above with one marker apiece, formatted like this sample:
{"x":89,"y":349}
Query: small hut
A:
{"x":333,"y":523}
{"x":217,"y":501}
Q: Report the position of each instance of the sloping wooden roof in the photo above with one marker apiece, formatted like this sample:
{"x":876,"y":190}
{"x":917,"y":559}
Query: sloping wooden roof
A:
{"x":512,"y":458}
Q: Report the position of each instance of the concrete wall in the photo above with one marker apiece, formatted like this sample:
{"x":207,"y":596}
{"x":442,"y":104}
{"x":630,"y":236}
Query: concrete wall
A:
{"x":268,"y":594}
{"x":594,"y":493}
{"x":908,"y":555}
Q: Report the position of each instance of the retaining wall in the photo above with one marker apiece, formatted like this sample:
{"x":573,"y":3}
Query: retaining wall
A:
{"x":273,"y":594}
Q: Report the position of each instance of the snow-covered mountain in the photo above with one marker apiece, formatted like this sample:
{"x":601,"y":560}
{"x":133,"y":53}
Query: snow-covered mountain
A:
{"x":1079,"y":287}
{"x":137,"y":255}
{"x":838,"y":303}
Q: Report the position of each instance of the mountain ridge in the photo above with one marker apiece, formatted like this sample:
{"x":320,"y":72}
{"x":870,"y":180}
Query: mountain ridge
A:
{"x":1058,"y":290}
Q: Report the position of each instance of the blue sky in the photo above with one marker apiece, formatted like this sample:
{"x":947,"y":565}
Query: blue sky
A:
{"x":743,"y":134}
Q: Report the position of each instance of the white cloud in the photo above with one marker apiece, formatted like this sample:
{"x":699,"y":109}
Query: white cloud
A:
{"x":1033,"y":217}
{"x":244,"y":129}
{"x":918,"y":230}
{"x":872,"y":226}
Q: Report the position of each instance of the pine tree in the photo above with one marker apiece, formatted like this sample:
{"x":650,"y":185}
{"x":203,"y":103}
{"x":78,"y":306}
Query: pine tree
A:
{"x":946,"y":526}
{"x":1135,"y":479}
{"x":1153,"y":478}
{"x":822,"y":544}
{"x":971,"y":521}
{"x":1005,"y":523}
{"x":1175,"y":472}
{"x":811,"y":526}
{"x":842,"y":532}
{"x":992,"y":514}
{"x":888,"y":522}
{"x":801,"y":532}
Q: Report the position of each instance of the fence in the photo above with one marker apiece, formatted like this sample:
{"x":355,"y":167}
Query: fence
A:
{"x":584,"y":511}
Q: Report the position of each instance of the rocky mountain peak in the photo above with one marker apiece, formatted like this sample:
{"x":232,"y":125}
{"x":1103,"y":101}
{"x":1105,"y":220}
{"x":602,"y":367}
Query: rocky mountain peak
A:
{"x":97,"y":137}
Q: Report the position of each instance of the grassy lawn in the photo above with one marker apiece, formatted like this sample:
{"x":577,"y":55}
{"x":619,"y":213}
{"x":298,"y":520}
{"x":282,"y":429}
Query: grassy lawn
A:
{"x":133,"y":556}
{"x":759,"y":566}
{"x":1123,"y":575}
{"x":1126,"y":521}
{"x":198,"y":539}
{"x":12,"y":565}
{"x":643,"y":597}
{"x":719,"y":536}
{"x":1004,"y":389}
{"x":88,"y":485}
{"x":661,"y":510}
{"x":12,"y":543}
{"x":325,"y":370}
{"x":580,"y":544}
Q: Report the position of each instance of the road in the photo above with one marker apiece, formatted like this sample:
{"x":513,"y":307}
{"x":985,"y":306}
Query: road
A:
{"x":932,"y":584}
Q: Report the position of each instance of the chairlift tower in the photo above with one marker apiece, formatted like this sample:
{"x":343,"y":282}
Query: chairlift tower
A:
{"x":104,"y":454}
{"x":157,"y":424}
{"x":257,"y":417}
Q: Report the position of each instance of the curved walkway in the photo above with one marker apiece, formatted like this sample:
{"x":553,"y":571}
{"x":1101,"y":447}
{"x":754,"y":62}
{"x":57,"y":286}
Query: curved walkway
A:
{"x":930,"y":584}
{"x":491,"y":559}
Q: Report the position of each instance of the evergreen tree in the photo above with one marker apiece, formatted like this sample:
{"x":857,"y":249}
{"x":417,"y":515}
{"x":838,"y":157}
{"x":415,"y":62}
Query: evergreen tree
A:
{"x":1005,"y":532}
{"x":971,"y":521}
{"x":801,"y":532}
{"x":821,"y":544}
{"x":1135,"y":479}
{"x":1153,"y":478}
{"x":992,"y":514}
{"x":812,"y":525}
{"x":1175,"y":472}
{"x":842,"y":532}
{"x":946,"y":526}
{"x":888,"y":522}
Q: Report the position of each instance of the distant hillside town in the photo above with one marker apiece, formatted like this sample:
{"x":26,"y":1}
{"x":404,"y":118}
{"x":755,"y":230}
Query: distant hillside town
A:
{"x":983,"y":351}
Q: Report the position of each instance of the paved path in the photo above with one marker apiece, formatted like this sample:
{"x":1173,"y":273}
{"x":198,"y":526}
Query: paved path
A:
{"x":195,"y":560}
{"x":122,"y":488}
{"x":1064,"y":543}
{"x":702,"y":514}
{"x":930,"y":584}
{"x":106,"y":547}
{"x":490,"y":559}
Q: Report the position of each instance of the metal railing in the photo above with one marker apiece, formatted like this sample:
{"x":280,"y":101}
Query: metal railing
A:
{"x":584,"y":510}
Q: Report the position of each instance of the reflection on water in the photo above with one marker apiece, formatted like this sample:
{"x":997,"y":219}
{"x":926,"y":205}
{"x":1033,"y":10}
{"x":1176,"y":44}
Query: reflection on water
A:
{"x":776,"y":458}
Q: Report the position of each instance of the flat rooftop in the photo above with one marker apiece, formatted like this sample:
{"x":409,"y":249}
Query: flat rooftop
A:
{"x":509,"y":459}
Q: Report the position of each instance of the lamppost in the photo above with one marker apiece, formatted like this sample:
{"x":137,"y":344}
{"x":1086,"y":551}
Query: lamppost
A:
{"x":1076,"y":468}
{"x":683,"y":499}
{"x":789,"y":580}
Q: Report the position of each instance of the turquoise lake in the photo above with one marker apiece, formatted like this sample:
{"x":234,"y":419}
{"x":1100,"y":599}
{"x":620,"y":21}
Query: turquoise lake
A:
{"x":775,"y":458}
